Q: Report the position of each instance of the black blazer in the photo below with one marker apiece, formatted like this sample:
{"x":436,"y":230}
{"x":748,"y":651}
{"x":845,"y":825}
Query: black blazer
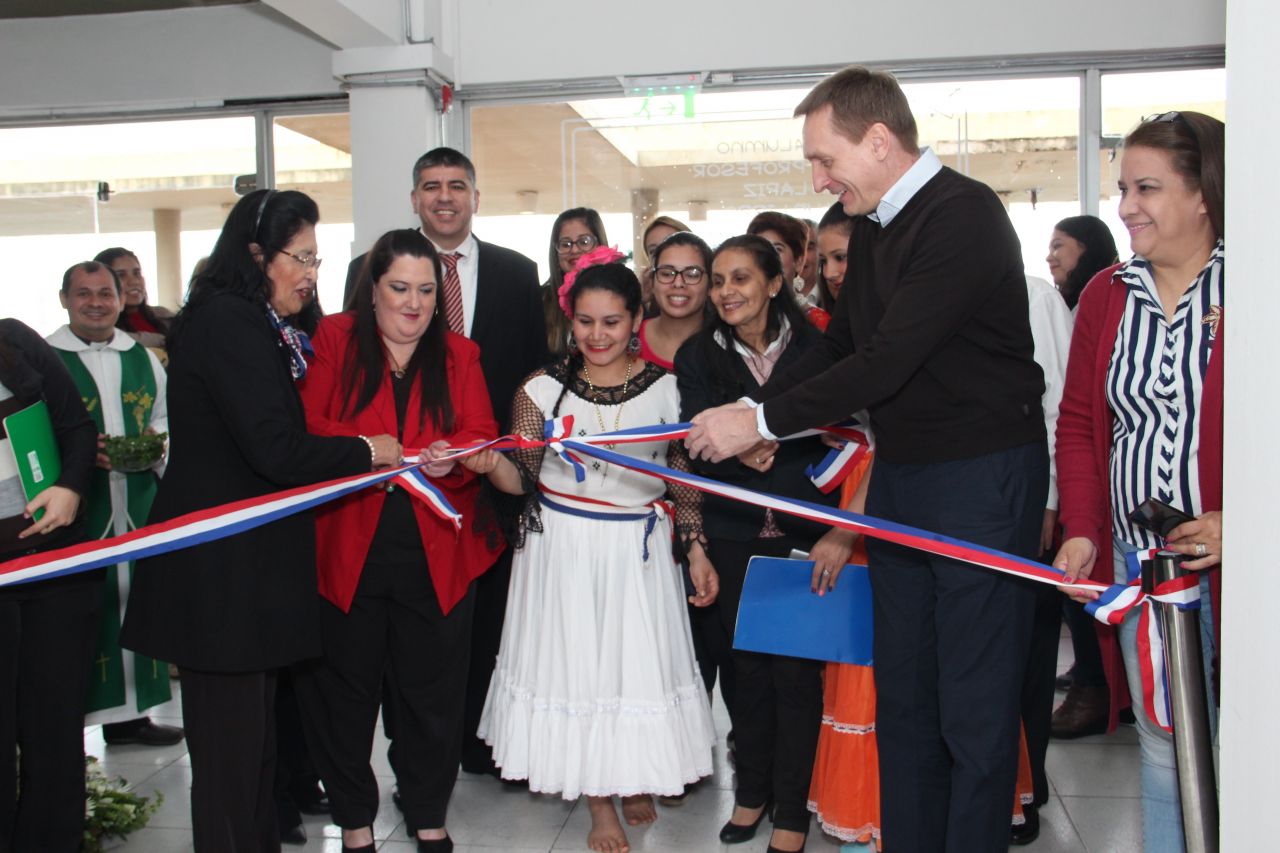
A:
{"x":32,"y":371}
{"x":237,"y":430}
{"x":707,"y":375}
{"x":508,"y":325}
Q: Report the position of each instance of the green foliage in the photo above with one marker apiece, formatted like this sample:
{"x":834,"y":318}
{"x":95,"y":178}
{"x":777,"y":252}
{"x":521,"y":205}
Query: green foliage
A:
{"x":111,"y":811}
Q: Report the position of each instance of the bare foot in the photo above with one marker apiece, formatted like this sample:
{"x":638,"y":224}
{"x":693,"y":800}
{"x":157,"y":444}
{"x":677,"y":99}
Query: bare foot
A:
{"x":638,"y":809}
{"x":786,"y":839}
{"x":606,"y":835}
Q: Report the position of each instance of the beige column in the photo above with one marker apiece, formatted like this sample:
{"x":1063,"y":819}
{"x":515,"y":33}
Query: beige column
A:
{"x":644,"y":206}
{"x":167,"y":275}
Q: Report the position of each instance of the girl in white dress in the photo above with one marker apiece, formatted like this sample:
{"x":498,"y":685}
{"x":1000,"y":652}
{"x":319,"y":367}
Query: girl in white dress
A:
{"x":596,"y":690}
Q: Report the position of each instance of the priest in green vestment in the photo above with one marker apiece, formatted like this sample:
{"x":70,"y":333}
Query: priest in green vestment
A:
{"x":122,"y":385}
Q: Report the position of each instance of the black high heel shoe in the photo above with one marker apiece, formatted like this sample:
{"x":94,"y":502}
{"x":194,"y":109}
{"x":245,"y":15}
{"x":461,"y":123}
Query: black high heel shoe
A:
{"x":435,"y":845}
{"x":772,"y":849}
{"x":737,"y":833}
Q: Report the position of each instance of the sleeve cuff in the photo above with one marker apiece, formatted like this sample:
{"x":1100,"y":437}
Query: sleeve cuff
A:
{"x":761,"y":427}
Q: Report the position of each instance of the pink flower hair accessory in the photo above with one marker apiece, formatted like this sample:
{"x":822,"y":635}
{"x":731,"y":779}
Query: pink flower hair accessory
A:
{"x":598,"y":255}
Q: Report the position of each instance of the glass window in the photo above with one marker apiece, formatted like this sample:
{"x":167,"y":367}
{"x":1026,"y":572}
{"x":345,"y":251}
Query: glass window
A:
{"x":715,"y":159}
{"x":313,"y":154}
{"x":1019,"y":137}
{"x":161,"y":189}
{"x":1126,"y":100}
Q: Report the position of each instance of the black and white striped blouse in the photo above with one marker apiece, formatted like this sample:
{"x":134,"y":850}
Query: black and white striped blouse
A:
{"x":1154,"y":382}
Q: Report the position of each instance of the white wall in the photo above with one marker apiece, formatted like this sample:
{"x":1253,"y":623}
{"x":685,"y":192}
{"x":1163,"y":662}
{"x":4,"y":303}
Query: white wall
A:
{"x":197,"y":56}
{"x":1251,"y":579}
{"x":504,"y":40}
{"x":158,"y":60}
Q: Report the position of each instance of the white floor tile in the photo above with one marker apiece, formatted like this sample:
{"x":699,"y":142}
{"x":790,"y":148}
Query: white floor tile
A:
{"x":1107,"y":824}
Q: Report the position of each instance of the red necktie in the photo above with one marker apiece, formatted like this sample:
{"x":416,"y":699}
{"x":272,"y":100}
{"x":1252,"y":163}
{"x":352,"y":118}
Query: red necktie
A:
{"x":453,"y":294}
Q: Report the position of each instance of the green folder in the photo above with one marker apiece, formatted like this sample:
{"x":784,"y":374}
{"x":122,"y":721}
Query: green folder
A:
{"x":35,"y":449}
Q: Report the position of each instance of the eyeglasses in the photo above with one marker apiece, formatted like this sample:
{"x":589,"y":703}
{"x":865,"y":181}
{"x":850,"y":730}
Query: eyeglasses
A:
{"x":1172,"y":115}
{"x":309,"y":262}
{"x":667,"y":275}
{"x":586,"y":243}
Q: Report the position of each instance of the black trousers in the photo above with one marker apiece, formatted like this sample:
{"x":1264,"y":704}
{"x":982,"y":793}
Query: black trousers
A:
{"x":1037,"y":684}
{"x":486,"y":635}
{"x":47,"y":634}
{"x":713,"y":649}
{"x":950,"y":649}
{"x":394,"y":624}
{"x":1084,"y":642}
{"x":230,"y":724}
{"x":777,"y":701}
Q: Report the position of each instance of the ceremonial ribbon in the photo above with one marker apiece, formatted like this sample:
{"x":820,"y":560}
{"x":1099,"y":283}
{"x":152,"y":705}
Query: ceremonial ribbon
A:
{"x":214,"y":523}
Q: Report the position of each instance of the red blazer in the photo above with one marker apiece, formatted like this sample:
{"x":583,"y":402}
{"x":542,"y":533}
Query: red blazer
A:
{"x":345,"y":528}
{"x":1084,"y":447}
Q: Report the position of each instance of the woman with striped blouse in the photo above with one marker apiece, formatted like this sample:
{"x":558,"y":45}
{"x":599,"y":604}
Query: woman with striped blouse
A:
{"x":1141,"y":414}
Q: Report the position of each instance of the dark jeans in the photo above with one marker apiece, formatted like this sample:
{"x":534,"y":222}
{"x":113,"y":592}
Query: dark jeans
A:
{"x":395,"y":625}
{"x":950,"y":648}
{"x":47,"y":634}
{"x":1084,"y":643}
{"x":777,"y":700}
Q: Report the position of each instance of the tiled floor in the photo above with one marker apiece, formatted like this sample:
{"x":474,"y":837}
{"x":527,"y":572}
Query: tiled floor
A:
{"x":1094,"y":807}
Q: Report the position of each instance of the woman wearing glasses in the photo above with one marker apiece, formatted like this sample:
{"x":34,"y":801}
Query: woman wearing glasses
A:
{"x":231,"y":613}
{"x":1141,"y":412}
{"x":575,"y":232}
{"x":681,"y":265}
{"x":777,"y":700}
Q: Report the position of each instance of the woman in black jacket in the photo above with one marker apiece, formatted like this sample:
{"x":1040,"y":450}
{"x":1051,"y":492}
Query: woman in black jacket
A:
{"x":230,"y":613}
{"x":778,"y":701}
{"x":47,"y":628}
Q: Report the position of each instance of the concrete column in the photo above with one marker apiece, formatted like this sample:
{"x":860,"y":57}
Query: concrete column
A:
{"x":391,"y":127}
{"x":644,"y":206}
{"x":167,"y":275}
{"x":1250,"y":583}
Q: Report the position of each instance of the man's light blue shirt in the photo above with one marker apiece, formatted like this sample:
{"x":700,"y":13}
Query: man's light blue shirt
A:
{"x":920,"y":173}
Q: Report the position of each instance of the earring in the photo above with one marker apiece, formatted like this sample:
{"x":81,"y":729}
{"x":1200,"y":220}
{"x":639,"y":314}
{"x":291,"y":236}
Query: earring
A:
{"x":572,"y":343}
{"x":633,"y":345}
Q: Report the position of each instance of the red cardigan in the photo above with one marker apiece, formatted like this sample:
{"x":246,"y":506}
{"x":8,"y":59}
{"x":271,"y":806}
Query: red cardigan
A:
{"x":345,"y":528}
{"x":1084,"y":448}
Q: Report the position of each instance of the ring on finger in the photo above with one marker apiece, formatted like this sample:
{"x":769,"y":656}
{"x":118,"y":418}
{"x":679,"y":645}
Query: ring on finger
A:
{"x":1201,"y":550}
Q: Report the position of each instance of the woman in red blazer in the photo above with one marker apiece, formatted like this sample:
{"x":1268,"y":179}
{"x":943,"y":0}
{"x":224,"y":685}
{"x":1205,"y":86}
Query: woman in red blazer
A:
{"x":1141,"y":411}
{"x":395,"y":579}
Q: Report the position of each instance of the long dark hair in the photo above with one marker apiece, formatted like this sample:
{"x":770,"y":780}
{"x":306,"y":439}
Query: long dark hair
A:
{"x":557,"y":323}
{"x":835,"y":218}
{"x":124,"y":322}
{"x":614,"y":278}
{"x":363,"y":375}
{"x":1195,"y":144}
{"x":726,"y":380}
{"x":1099,"y":253}
{"x":269,"y":218}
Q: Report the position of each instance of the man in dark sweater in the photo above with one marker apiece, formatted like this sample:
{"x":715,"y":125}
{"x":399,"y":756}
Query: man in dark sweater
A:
{"x":930,"y":334}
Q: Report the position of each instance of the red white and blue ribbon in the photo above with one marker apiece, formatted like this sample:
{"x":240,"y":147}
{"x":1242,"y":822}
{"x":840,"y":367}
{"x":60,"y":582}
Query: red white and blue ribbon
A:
{"x":1114,"y":605}
{"x":229,"y":519}
{"x":218,"y":522}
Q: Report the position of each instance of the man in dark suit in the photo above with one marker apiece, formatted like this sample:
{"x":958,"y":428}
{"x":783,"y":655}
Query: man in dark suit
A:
{"x":490,"y":294}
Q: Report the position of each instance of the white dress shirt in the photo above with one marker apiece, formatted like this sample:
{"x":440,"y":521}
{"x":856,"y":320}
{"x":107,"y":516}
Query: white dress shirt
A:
{"x":1051,"y":323}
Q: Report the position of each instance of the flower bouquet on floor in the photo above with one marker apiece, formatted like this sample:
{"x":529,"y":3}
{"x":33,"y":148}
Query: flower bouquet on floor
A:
{"x":111,"y":810}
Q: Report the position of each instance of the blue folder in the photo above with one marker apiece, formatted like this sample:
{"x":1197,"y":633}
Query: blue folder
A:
{"x":779,"y":614}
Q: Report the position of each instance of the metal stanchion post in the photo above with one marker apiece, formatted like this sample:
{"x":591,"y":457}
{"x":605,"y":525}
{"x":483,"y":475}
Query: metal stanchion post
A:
{"x":1192,"y":743}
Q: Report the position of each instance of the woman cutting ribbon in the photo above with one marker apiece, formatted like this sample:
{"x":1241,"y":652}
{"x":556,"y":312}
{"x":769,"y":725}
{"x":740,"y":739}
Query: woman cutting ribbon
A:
{"x":231,"y":612}
{"x":394,"y":577}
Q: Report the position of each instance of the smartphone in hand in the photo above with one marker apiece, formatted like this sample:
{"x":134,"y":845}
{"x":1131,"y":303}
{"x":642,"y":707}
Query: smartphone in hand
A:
{"x":1158,"y":517}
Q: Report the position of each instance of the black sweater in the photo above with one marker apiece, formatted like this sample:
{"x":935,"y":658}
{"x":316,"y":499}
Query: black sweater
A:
{"x":930,"y":333}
